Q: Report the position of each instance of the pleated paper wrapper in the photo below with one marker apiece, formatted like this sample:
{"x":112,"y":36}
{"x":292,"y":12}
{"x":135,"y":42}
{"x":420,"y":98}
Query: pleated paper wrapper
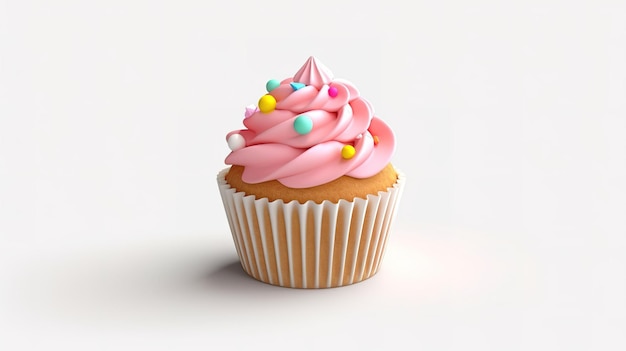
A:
{"x":310,"y":245}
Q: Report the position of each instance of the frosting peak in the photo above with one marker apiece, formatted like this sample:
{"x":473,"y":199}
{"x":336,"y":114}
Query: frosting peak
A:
{"x":313,"y":73}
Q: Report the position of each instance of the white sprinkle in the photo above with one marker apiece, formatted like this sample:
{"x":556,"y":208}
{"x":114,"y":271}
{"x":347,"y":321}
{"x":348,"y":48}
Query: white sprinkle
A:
{"x":236,"y":142}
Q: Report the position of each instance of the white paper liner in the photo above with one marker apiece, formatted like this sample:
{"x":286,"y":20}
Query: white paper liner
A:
{"x":310,"y":245}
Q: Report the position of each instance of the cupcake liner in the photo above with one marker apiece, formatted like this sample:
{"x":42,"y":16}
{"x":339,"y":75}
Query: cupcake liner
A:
{"x":310,"y":245}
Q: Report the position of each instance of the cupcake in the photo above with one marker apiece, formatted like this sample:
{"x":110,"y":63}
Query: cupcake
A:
{"x":310,"y":193}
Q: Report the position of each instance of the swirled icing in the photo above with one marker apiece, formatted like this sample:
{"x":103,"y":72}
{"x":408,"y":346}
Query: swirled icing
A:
{"x":274,"y":150}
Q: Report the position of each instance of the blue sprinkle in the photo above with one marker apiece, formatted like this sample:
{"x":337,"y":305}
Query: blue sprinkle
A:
{"x":297,"y":86}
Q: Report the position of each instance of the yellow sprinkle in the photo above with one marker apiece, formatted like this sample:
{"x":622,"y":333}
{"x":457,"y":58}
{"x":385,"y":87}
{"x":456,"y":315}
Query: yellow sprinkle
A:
{"x":376,"y":140}
{"x":267,"y":103}
{"x":348,"y":152}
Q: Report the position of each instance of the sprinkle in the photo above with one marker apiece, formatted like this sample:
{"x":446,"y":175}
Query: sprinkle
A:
{"x":250,"y":110}
{"x":295,"y":86}
{"x":267,"y":103}
{"x":376,"y":140}
{"x":332,"y":91}
{"x":303,"y":124}
{"x":347,"y":152}
{"x":236,"y":142}
{"x":271,"y":85}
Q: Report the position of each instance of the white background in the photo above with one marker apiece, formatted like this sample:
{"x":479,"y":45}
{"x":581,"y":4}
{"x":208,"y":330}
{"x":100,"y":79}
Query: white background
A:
{"x":511,"y":128}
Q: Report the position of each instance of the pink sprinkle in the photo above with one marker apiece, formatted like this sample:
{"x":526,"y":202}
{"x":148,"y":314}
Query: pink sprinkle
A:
{"x":332,"y":91}
{"x":250,"y":110}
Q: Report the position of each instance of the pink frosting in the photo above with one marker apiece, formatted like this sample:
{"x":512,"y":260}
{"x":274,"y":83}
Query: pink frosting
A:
{"x":275,"y":151}
{"x":313,"y":73}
